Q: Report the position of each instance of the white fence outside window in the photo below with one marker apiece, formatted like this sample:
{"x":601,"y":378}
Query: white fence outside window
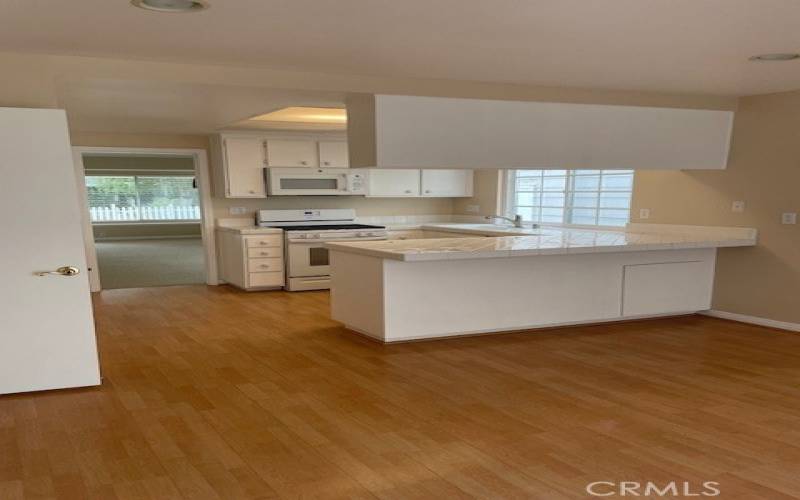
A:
{"x":113,"y":213}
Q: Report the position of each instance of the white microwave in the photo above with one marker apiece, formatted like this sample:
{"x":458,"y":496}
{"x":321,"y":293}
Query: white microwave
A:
{"x":289,"y":181}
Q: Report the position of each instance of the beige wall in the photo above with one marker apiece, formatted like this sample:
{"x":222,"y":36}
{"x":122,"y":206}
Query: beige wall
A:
{"x":764,"y":171}
{"x":486,"y":194}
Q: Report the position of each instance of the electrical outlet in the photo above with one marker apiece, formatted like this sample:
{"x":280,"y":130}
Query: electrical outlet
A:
{"x":737,"y":206}
{"x":789,"y":218}
{"x":237,"y":210}
{"x":473,"y":209}
{"x":644,"y":213}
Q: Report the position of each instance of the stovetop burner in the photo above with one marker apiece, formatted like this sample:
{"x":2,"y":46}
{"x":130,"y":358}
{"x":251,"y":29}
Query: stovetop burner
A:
{"x":323,"y":227}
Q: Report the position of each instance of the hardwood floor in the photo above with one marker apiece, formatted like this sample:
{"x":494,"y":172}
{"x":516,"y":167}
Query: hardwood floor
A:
{"x":214,"y":393}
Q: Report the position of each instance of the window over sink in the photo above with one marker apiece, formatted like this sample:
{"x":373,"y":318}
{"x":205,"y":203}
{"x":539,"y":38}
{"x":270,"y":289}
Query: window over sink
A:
{"x":579,"y":197}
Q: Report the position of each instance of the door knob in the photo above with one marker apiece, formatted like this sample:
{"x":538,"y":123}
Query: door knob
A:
{"x":62,"y":271}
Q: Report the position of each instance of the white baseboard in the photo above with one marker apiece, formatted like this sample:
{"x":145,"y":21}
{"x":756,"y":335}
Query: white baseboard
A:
{"x":753,"y":320}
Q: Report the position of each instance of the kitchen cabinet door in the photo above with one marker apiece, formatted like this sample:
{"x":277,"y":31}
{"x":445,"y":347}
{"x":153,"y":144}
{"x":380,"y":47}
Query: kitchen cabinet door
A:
{"x":292,"y":153}
{"x":333,"y":154}
{"x":666,"y":288}
{"x":446,"y":183}
{"x":243,"y":164}
{"x":392,"y":183}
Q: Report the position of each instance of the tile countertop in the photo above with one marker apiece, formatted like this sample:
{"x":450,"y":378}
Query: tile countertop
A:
{"x":248,"y":229}
{"x":548,"y":240}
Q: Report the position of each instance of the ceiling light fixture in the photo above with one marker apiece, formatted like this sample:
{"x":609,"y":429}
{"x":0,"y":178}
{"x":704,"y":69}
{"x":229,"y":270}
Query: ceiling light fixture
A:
{"x":781,"y":56}
{"x":301,"y":114}
{"x":171,"y":5}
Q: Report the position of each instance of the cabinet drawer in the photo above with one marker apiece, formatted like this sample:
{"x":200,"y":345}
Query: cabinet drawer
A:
{"x":255,"y":280}
{"x":264,"y":265}
{"x":260,"y":252}
{"x":264,"y":241}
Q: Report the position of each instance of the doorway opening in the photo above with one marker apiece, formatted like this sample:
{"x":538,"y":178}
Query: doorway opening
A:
{"x":147,"y":216}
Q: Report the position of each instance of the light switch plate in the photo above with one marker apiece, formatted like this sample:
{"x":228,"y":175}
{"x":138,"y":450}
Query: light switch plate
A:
{"x":737,"y":206}
{"x":237,"y":210}
{"x":789,"y":218}
{"x":644,"y":213}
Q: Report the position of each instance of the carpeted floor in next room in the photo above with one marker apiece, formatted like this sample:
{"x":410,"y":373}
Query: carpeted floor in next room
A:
{"x":146,"y":263}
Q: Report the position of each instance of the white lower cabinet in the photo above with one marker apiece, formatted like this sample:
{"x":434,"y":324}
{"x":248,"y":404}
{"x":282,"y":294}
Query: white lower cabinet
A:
{"x":251,"y":262}
{"x":663,"y":288}
{"x":461,"y":296}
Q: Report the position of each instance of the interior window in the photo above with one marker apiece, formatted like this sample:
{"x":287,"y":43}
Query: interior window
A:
{"x":142,"y":198}
{"x":582,"y":197}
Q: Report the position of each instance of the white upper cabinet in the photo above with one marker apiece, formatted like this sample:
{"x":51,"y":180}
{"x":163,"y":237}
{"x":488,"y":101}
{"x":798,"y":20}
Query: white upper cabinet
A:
{"x":240,"y":169}
{"x":239,"y":159}
{"x":446,"y":183}
{"x":389,"y":183}
{"x":333,"y":154}
{"x":292,"y":153}
{"x":389,"y":131}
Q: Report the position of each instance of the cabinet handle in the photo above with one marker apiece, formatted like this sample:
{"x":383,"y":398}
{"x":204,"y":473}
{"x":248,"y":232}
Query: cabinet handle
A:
{"x":252,"y":192}
{"x":262,"y":243}
{"x":408,"y":191}
{"x":303,"y":162}
{"x":326,"y":163}
{"x":265,"y":266}
{"x":427,"y":190}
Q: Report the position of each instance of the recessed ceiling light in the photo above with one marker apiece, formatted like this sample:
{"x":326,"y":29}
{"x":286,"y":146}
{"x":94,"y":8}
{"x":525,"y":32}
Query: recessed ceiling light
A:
{"x":171,"y":5}
{"x":788,"y":56}
{"x":300,"y":114}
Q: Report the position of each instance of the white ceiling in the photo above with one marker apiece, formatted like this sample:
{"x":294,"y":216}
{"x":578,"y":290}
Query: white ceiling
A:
{"x":657,"y":45}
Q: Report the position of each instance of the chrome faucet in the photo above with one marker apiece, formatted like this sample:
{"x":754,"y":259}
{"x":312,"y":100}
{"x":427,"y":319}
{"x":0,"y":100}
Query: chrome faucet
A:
{"x":517,"y":220}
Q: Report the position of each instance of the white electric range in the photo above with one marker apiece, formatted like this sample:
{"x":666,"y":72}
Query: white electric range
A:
{"x":305,"y":234}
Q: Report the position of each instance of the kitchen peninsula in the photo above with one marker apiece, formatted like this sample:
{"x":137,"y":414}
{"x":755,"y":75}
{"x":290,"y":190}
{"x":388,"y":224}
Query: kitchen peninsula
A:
{"x":493,"y":278}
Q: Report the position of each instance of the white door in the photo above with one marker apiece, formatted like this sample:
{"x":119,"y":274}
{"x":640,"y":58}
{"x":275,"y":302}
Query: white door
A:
{"x":452,"y":183}
{"x":333,"y":154}
{"x":383,"y":182}
{"x":244,"y":167}
{"x":292,"y":153}
{"x":47,"y":338}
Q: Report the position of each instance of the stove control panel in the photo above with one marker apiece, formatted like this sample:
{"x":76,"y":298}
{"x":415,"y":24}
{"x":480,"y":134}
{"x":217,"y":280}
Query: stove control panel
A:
{"x":379,"y":234}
